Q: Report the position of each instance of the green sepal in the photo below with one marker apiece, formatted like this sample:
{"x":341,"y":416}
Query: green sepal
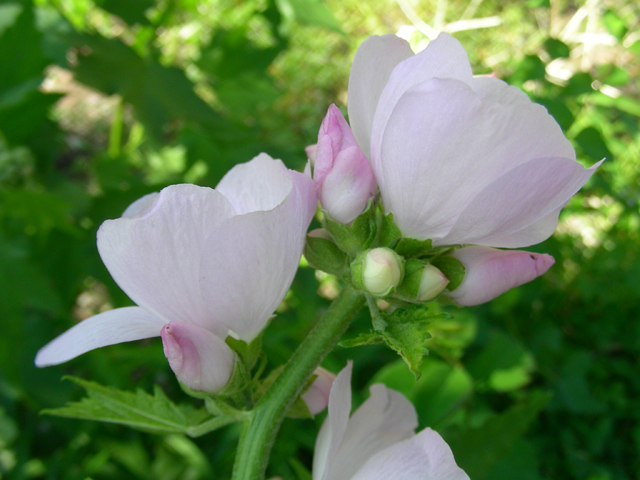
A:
{"x":388,"y":231}
{"x":248,"y":352}
{"x":323,"y":254}
{"x":452,"y":269}
{"x":140,"y":410}
{"x":358,"y":235}
{"x":409,"y":288}
{"x":411,"y":247}
{"x":220,"y":407}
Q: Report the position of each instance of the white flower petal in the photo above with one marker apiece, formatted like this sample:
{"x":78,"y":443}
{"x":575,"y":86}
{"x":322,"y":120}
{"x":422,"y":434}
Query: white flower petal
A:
{"x":258,"y":185}
{"x":249,"y":261}
{"x":335,"y":424}
{"x":372,"y":64}
{"x":444,"y":57}
{"x":521,"y":197}
{"x":426,"y":456}
{"x":444,"y":144}
{"x":387,"y":417}
{"x":495,"y":90}
{"x":154,"y":256}
{"x":108,"y":328}
{"x":533,"y":234}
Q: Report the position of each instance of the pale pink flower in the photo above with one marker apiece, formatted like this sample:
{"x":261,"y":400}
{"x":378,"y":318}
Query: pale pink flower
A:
{"x":459,"y":159}
{"x":378,"y":441}
{"x":201,"y":264}
{"x":316,"y":398}
{"x":490,"y":272}
{"x":342,"y":175}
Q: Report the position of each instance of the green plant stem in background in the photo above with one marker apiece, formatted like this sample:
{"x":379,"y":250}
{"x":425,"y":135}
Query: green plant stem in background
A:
{"x":260,"y":429}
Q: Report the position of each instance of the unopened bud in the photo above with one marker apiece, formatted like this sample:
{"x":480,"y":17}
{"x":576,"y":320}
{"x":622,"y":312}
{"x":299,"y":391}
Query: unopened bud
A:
{"x":317,"y":396}
{"x":490,"y":272}
{"x":422,"y":282}
{"x":377,"y":271}
{"x":342,"y":174}
{"x":201,"y":360}
{"x":432,"y":283}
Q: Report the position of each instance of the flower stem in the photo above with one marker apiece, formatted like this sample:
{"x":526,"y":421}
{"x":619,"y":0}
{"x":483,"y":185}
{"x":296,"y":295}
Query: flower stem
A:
{"x":261,"y":427}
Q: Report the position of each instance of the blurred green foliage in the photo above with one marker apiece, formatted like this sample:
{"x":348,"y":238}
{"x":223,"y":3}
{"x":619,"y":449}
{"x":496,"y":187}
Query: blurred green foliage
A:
{"x":104,"y":101}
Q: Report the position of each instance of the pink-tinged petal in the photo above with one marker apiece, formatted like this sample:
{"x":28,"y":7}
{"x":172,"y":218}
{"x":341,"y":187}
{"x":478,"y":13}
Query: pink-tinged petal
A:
{"x":521,"y":197}
{"x":258,"y":185}
{"x":249,"y":261}
{"x":426,"y":456}
{"x":533,"y":234}
{"x":107,"y":328}
{"x":316,"y":398}
{"x":342,"y":175}
{"x":335,"y":424}
{"x":310,"y":150}
{"x":154,"y":256}
{"x":201,"y":360}
{"x":372,"y":64}
{"x":489,"y":272}
{"x":387,"y":417}
{"x":444,"y":144}
{"x":444,"y":57}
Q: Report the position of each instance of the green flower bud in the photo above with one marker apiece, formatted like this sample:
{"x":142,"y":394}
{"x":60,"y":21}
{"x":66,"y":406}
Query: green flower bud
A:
{"x":422,"y":282}
{"x":377,"y":271}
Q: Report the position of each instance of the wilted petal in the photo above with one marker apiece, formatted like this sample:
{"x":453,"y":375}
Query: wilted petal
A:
{"x":200,"y":360}
{"x":154,"y":256}
{"x":107,"y":328}
{"x":489,"y":272}
{"x":444,"y":57}
{"x":316,"y":397}
{"x":444,"y":144}
{"x":519,"y":198}
{"x":335,"y":424}
{"x":249,"y":261}
{"x":426,"y":456}
{"x":373,"y":62}
{"x":258,"y":185}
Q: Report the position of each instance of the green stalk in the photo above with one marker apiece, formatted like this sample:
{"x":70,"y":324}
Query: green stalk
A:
{"x":261,"y":427}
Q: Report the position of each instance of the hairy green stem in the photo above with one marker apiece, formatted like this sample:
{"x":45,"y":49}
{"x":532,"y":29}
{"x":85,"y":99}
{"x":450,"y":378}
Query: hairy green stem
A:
{"x":261,"y":427}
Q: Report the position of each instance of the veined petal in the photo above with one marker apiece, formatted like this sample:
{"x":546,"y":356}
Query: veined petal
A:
{"x":387,"y":417}
{"x":496,"y":90}
{"x":373,"y":62}
{"x":107,"y":328}
{"x":444,"y":57}
{"x":444,"y":144}
{"x":200,"y":360}
{"x":258,"y":185}
{"x":154,"y":256}
{"x":426,"y":456}
{"x":249,"y":261}
{"x":533,"y":234}
{"x":521,"y":197}
{"x":335,"y":424}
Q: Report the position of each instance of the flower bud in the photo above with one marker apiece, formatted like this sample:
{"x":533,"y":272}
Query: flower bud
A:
{"x":422,"y":282}
{"x":317,"y":395}
{"x":342,"y":174}
{"x":490,"y":272}
{"x":201,"y":360}
{"x":377,"y":271}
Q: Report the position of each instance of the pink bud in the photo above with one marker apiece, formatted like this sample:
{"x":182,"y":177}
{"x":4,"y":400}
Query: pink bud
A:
{"x":342,"y":174}
{"x":491,"y":272}
{"x":317,"y":396}
{"x":310,"y":150}
{"x":200,"y":359}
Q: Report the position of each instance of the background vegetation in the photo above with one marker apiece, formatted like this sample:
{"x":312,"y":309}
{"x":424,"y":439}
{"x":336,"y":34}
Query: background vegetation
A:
{"x":104,"y":101}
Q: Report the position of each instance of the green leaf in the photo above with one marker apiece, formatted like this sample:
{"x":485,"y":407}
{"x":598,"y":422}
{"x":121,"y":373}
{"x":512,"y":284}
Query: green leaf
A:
{"x":143,"y":411}
{"x":558,"y":110}
{"x":131,"y":11}
{"x":614,"y":24}
{"x":323,"y":254}
{"x":529,"y":68}
{"x":309,"y":12}
{"x":452,"y":269}
{"x":556,"y":48}
{"x":478,"y":450}
{"x":592,"y":144}
{"x":301,"y":471}
{"x":388,"y":231}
